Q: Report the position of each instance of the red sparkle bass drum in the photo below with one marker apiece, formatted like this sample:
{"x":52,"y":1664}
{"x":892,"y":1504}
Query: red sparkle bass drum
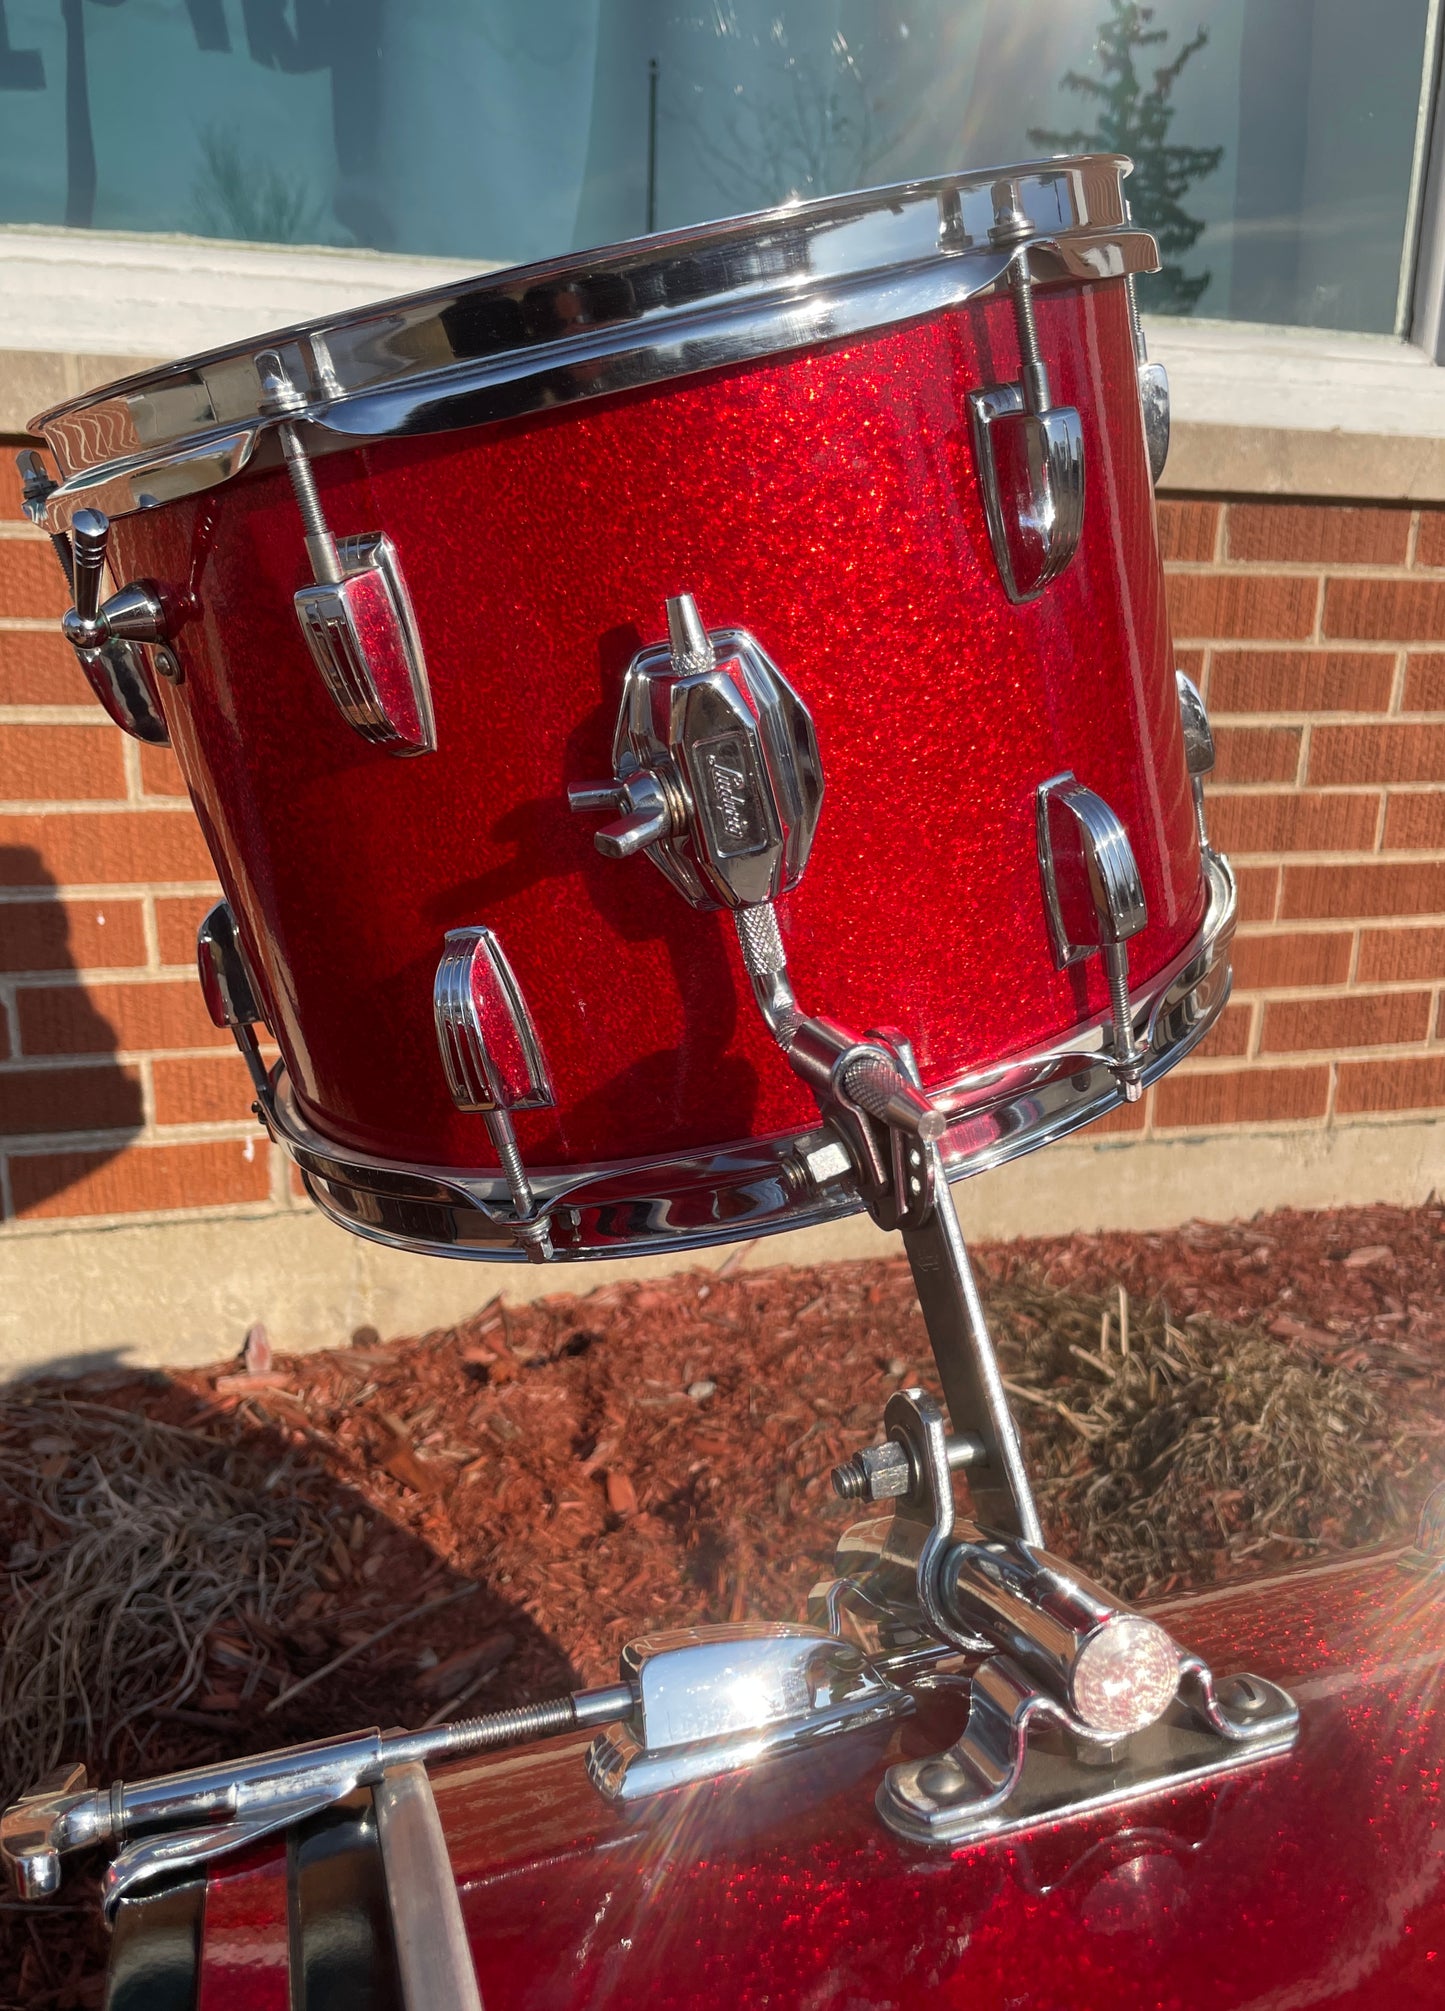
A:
{"x":811,"y":559}
{"x":1315,"y":1879}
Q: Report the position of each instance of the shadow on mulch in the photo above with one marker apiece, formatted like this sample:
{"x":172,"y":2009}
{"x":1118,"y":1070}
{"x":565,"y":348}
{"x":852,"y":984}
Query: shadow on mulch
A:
{"x":174,"y":1571}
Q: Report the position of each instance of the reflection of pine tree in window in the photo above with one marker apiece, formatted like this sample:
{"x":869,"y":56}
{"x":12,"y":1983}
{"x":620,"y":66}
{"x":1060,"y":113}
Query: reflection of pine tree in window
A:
{"x":1135,"y":121}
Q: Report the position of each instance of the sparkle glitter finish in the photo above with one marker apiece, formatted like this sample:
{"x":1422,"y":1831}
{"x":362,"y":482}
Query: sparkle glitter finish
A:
{"x":827,"y":501}
{"x":1314,"y":1880}
{"x":245,"y":1949}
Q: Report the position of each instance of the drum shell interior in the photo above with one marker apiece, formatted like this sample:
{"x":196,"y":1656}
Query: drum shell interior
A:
{"x":826,"y":500}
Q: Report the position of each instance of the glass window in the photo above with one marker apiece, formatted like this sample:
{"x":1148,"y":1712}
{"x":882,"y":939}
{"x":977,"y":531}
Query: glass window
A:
{"x":1278,"y":142}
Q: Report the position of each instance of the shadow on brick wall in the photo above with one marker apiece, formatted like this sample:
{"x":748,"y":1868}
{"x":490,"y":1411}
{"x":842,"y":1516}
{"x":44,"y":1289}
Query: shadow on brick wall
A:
{"x":67,"y":1106}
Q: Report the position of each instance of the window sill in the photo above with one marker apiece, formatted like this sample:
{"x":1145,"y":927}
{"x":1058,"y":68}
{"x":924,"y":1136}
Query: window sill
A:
{"x":1298,"y":412}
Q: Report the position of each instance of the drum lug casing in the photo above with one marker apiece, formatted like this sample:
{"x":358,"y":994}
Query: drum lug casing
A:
{"x":1094,"y":901}
{"x":1153,"y":383}
{"x":1198,"y":749}
{"x":1030,"y":452}
{"x":108,"y":640}
{"x":355,"y":615}
{"x":494,"y":1062}
{"x":362,"y":636}
{"x":230,"y":991}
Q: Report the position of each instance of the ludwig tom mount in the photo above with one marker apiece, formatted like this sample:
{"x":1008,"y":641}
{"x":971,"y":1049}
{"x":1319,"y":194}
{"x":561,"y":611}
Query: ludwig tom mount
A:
{"x":867,"y":1087}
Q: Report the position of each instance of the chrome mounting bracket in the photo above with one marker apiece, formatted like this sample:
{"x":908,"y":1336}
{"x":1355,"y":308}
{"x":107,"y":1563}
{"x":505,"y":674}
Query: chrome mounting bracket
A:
{"x":714,"y":1700}
{"x":110,"y":638}
{"x":867,"y":1091}
{"x":1079,"y":1702}
{"x":866,"y":1086}
{"x":716,"y":769}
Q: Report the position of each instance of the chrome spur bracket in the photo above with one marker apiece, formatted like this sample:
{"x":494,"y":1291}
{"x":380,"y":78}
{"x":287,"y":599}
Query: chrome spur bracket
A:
{"x":118,"y":642}
{"x":1079,"y":1701}
{"x":494,"y":1063}
{"x":1094,"y":902}
{"x":355,"y":616}
{"x":1029,"y":451}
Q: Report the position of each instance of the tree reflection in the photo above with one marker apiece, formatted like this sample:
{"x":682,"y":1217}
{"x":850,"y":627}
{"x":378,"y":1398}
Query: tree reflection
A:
{"x":1134,"y":120}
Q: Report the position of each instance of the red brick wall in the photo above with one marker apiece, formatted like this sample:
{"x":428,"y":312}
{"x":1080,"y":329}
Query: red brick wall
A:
{"x":117,"y":1096}
{"x":1317,"y":633}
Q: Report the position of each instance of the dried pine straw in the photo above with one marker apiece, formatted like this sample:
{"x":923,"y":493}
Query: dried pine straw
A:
{"x":1164,"y":1454}
{"x":144,"y":1541}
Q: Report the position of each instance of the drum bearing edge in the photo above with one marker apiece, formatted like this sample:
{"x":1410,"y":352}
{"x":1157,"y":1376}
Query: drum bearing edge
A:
{"x":760,"y":1187}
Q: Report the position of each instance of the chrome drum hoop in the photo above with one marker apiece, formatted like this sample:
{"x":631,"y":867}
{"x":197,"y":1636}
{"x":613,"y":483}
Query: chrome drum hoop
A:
{"x":760,"y":1187}
{"x":530,"y":338}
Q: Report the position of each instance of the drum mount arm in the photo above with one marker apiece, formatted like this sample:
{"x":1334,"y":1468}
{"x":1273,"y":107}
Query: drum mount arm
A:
{"x":719,"y":781}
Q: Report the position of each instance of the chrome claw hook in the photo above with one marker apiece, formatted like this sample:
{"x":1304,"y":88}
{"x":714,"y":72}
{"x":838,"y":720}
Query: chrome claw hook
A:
{"x":1094,"y":900}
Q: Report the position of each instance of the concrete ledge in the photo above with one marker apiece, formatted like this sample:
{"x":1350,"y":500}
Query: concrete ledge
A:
{"x":165,"y":1294}
{"x":1298,"y":412}
{"x":1273,"y":461}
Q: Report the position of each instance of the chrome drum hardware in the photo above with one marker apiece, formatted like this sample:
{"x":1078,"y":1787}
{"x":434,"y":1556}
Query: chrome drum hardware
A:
{"x":356,"y":616}
{"x":229,"y":988}
{"x":108,"y":640}
{"x":1153,"y":384}
{"x":716,"y":768}
{"x":715,"y":1700}
{"x":1030,"y":451}
{"x":1078,"y":1701}
{"x":1198,"y":749}
{"x":1094,"y":900}
{"x":493,"y":1061}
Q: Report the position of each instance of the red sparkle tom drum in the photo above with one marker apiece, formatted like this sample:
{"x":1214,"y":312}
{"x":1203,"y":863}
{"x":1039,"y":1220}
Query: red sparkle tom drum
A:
{"x":814,"y":555}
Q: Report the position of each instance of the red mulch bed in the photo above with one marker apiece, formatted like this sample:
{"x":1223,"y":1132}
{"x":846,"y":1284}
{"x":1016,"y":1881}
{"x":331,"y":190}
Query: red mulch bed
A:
{"x":647,"y":1455}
